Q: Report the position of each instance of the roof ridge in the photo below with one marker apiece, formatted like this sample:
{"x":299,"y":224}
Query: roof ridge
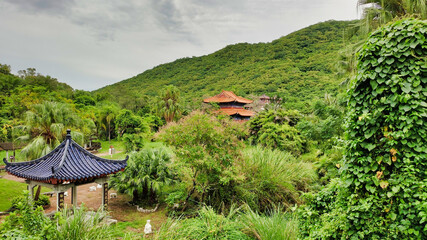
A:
{"x":35,"y":160}
{"x":61,"y":163}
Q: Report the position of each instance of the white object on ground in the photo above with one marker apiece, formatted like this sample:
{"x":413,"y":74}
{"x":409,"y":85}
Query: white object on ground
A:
{"x":66,"y":194}
{"x":147,"y":229}
{"x":113,"y":195}
{"x":92,"y":189}
{"x":99,"y":186}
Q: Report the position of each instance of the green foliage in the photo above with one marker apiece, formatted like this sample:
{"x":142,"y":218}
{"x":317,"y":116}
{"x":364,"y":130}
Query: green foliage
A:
{"x":133,"y":142}
{"x":46,"y":124}
{"x":127,"y":122}
{"x":273,"y":178}
{"x":145,"y":175}
{"x":81,"y":224}
{"x":42,"y":201}
{"x":384,"y":174}
{"x":273,"y":226}
{"x":273,"y":128}
{"x":168,"y":104}
{"x":206,"y":150}
{"x":298,"y":68}
{"x":207,"y":225}
{"x":27,"y":222}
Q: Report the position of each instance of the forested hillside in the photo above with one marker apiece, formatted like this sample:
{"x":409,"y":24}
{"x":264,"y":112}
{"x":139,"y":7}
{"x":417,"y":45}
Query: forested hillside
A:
{"x":298,"y":67}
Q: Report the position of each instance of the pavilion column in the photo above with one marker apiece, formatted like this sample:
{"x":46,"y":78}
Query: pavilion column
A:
{"x":105,"y":196}
{"x":59,"y":201}
{"x":31,"y":191}
{"x":74,"y":196}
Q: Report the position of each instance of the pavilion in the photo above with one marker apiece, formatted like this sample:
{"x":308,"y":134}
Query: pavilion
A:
{"x":67,"y":166}
{"x":232,"y":105}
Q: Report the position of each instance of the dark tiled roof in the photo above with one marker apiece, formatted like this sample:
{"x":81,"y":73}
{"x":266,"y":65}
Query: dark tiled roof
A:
{"x":69,"y":162}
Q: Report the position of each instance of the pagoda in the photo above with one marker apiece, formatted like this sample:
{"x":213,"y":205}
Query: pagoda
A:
{"x":232,"y":105}
{"x":68,"y":166}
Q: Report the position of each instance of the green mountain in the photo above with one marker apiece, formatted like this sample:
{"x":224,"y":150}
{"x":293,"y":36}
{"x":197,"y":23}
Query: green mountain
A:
{"x":298,"y":67}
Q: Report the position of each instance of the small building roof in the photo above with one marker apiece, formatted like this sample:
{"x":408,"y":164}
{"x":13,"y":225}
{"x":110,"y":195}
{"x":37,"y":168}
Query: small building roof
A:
{"x":225,"y":97}
{"x":264,"y":97}
{"x":236,"y":111}
{"x":68,"y":162}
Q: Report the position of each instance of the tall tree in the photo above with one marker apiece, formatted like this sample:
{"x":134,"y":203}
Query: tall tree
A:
{"x":45,"y":127}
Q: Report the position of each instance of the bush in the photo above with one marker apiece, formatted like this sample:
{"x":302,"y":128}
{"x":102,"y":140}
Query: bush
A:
{"x":145,"y":175}
{"x":42,"y":201}
{"x":207,"y":150}
{"x":275,"y":129}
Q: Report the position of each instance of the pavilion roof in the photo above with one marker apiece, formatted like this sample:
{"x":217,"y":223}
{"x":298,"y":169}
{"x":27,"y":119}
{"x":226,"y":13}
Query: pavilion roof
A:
{"x":225,"y":97}
{"x":236,"y":111}
{"x":68,"y":162}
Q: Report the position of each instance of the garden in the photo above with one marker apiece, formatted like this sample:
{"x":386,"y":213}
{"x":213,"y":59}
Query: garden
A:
{"x":349,"y":166}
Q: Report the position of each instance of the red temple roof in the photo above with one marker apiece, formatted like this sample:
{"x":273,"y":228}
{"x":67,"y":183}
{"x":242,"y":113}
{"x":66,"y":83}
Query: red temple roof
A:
{"x":234,"y":111}
{"x":225,"y":97}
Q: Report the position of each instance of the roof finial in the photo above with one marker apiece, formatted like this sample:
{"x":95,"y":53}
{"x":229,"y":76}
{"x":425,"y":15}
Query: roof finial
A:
{"x":68,"y":134}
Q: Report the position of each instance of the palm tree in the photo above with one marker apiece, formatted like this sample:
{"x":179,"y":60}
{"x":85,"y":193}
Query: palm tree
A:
{"x":380,"y":12}
{"x":168,"y":104}
{"x":106,"y":117}
{"x":45,"y":127}
{"x":145,"y":175}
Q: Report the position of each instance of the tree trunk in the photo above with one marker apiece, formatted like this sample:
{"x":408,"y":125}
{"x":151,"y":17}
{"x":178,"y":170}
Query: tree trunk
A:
{"x":39,"y":188}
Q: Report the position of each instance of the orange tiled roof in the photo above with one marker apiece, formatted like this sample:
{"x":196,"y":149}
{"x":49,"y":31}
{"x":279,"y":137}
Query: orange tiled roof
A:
{"x":233,"y":111}
{"x":227,"y":96}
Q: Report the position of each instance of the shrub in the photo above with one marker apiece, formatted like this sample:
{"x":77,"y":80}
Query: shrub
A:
{"x":206,"y":150}
{"x":145,"y":175}
{"x":275,"y":129}
{"x":42,"y":201}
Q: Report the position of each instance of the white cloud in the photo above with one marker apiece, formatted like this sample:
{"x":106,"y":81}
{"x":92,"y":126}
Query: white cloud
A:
{"x":89,"y":44}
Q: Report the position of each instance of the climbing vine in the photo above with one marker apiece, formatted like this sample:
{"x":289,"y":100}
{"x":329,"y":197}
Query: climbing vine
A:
{"x":383,"y":193}
{"x":386,"y":158}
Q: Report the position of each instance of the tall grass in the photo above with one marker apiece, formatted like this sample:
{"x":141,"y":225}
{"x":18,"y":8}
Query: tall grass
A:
{"x":80,"y":224}
{"x":273,"y":226}
{"x":273,"y":178}
{"x":207,"y":225}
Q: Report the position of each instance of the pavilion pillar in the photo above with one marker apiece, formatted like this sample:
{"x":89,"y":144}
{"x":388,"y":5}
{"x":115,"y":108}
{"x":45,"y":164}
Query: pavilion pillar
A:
{"x":74,"y":196}
{"x":59,"y":201}
{"x":105,"y":196}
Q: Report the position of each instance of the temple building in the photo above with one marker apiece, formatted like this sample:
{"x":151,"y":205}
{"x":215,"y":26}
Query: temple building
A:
{"x":68,"y":166}
{"x":232,"y":105}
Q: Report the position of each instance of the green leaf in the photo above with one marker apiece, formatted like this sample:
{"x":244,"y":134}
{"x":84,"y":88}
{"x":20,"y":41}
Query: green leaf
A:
{"x":374,"y":84}
{"x":406,"y":87}
{"x":389,"y":61}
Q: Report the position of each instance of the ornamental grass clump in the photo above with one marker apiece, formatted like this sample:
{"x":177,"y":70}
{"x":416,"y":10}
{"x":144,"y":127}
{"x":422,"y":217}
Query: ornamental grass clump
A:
{"x":273,"y":177}
{"x":274,"y":225}
{"x":207,"y":225}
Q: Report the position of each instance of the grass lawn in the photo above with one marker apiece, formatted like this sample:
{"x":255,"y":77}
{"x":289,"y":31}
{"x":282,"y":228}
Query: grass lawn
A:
{"x":10,"y":189}
{"x":3,"y":155}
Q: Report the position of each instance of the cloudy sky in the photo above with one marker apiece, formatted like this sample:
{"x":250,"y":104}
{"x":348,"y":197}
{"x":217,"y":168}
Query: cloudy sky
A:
{"x":92,"y":43}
